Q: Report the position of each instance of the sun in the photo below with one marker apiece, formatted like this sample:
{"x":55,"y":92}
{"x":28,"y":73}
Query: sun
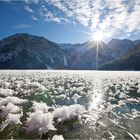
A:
{"x":98,"y":36}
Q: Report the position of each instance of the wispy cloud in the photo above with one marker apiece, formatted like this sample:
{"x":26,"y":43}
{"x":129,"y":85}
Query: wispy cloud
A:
{"x":21,"y":26}
{"x":107,"y":15}
{"x":27,"y":8}
{"x":34,"y":18}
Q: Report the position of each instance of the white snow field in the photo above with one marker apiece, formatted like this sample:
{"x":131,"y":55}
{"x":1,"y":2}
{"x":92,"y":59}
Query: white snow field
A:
{"x":53,"y":104}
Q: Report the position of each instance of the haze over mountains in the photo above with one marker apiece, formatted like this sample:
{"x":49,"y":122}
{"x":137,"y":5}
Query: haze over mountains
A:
{"x":25,"y":51}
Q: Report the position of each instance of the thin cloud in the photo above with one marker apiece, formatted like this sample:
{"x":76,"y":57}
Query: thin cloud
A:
{"x":21,"y":26}
{"x":108,"y":15}
{"x":27,"y":8}
{"x":34,"y":18}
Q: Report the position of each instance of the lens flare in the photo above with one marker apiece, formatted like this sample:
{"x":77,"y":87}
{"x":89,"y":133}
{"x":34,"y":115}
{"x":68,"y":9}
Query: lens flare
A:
{"x":98,"y":36}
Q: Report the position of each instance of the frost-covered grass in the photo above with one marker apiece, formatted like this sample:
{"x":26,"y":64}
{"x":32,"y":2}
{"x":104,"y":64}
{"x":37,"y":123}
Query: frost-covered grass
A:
{"x":69,"y":104}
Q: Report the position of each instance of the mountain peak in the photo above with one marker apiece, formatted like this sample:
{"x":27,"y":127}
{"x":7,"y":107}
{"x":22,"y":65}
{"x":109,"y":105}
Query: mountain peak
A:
{"x":25,"y":51}
{"x":26,"y":40}
{"x":24,"y":36}
{"x":120,"y":40}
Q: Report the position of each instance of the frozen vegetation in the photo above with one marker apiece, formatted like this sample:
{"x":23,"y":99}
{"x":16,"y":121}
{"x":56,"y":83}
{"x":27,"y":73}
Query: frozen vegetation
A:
{"x":69,"y":105}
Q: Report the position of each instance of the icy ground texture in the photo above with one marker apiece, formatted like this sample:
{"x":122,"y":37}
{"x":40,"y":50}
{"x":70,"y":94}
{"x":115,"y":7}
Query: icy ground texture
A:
{"x":69,"y":105}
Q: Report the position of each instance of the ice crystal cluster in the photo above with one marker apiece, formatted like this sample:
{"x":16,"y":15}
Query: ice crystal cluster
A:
{"x":69,"y":104}
{"x":40,"y":122}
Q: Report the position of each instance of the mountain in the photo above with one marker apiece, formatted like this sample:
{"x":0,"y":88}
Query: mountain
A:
{"x":129,"y":61}
{"x":83,"y":56}
{"x":24,"y":51}
{"x":120,"y":47}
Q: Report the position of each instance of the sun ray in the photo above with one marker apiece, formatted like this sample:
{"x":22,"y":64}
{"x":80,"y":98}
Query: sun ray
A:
{"x":98,"y":36}
{"x":97,"y":39}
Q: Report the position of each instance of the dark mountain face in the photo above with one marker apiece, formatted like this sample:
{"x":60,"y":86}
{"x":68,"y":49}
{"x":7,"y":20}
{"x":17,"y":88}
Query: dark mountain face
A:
{"x":24,"y":51}
{"x":129,"y":61}
{"x":0,"y":43}
{"x":120,"y":47}
{"x":83,"y":56}
{"x":136,"y":42}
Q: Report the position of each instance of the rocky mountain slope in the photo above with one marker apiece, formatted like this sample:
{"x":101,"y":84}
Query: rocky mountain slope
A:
{"x":25,"y":51}
{"x":129,"y":61}
{"x":83,"y":56}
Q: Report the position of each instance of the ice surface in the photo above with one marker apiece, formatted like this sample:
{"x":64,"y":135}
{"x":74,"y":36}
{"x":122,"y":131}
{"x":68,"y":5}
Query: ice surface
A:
{"x":54,"y":103}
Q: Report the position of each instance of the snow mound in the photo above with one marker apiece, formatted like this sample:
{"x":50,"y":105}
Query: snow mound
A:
{"x":11,"y":119}
{"x":40,"y":106}
{"x":6,"y":92}
{"x":9,"y":108}
{"x":34,"y":85}
{"x":75,"y":97}
{"x":40,"y":122}
{"x":14,"y":100}
{"x":68,"y":112}
{"x":57,"y":137}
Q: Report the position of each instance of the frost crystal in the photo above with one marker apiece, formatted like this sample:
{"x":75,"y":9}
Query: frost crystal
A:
{"x":9,"y":108}
{"x":58,"y":137}
{"x":40,"y":122}
{"x":40,"y":106}
{"x":11,"y":119}
{"x":14,"y":100}
{"x":68,"y":112}
{"x":6,"y":92}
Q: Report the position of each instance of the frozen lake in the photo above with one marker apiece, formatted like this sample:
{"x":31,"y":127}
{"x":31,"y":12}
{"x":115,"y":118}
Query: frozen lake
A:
{"x":74,"y":104}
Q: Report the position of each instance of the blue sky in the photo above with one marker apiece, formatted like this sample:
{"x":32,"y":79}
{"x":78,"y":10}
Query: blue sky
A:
{"x":71,"y":21}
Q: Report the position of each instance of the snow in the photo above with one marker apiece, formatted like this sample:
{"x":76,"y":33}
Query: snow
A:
{"x":40,"y":106}
{"x":76,"y":97}
{"x":9,"y":108}
{"x":58,"y":137}
{"x":105,"y":102}
{"x":6,"y":92}
{"x":49,"y":67}
{"x":40,"y":122}
{"x":68,"y":112}
{"x":14,"y":100}
{"x":11,"y":119}
{"x":34,"y":85}
{"x":65,"y":61}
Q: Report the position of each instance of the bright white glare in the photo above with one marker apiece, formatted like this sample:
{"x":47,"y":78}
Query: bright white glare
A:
{"x":98,"y":36}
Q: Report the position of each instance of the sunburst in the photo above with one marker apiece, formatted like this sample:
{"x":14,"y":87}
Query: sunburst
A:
{"x":98,"y":36}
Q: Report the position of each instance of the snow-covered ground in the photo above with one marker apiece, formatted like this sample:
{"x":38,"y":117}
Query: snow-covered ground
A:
{"x":69,"y":104}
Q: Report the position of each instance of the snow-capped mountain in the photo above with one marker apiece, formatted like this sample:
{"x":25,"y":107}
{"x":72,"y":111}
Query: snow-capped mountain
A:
{"x":83,"y":56}
{"x":24,"y":51}
{"x":121,"y":46}
{"x":128,"y":61}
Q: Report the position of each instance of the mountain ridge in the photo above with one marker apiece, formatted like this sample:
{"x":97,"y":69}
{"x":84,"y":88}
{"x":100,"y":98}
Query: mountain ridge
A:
{"x":26,"y":51}
{"x":128,"y":61}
